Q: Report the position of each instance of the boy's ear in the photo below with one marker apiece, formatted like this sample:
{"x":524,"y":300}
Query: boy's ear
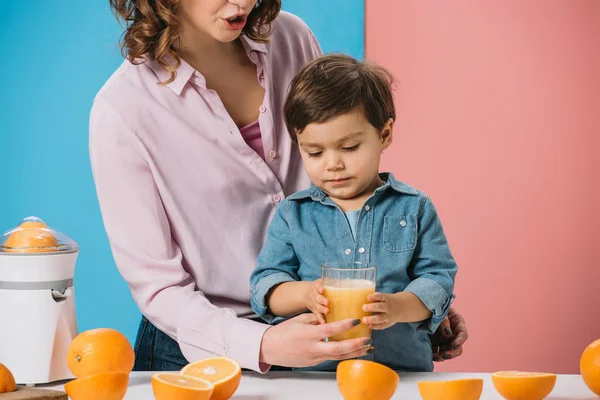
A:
{"x":386,"y":134}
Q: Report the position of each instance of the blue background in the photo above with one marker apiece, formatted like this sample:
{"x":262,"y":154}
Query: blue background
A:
{"x":55,"y":57}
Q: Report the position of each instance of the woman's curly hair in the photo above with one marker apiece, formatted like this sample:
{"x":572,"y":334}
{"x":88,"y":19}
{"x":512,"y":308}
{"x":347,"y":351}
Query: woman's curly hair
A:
{"x":152,"y":29}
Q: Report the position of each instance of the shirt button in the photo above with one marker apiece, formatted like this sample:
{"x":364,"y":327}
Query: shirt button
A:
{"x":403,"y":223}
{"x":272,"y":154}
{"x":361,"y":250}
{"x":261,"y":76}
{"x":253,"y":55}
{"x":348,"y":252}
{"x":262,"y":109}
{"x":277,"y":198}
{"x":367,"y":208}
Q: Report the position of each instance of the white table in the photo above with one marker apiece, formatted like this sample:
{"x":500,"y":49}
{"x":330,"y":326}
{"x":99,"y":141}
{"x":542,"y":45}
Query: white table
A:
{"x":320,"y":385}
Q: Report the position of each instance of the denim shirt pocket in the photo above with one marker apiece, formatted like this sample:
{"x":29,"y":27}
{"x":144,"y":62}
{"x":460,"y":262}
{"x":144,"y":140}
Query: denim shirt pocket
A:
{"x":400,"y":232}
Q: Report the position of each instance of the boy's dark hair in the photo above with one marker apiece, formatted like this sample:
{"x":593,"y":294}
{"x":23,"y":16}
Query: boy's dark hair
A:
{"x":335,"y":84}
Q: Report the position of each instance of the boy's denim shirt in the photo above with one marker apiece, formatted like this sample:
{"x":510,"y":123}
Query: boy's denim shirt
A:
{"x":398,"y":230}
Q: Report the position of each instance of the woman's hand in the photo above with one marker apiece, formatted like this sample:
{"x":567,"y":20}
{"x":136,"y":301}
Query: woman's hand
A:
{"x":449,"y":338}
{"x":298,"y":342}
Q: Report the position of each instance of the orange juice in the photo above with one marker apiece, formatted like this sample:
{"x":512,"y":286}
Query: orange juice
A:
{"x":346,"y":301}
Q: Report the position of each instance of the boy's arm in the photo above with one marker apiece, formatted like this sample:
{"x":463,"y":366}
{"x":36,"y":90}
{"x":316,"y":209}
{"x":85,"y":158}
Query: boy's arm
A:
{"x":432,"y":271}
{"x":277,"y":264}
{"x":392,"y":308}
{"x":289,"y":298}
{"x":410,"y":308}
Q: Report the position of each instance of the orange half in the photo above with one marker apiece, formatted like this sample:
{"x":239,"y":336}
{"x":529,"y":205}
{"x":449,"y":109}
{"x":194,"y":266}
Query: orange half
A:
{"x":222,"y":372}
{"x":366,"y":380}
{"x":458,"y":389}
{"x":107,"y":386}
{"x":31,"y":237}
{"x":519,"y":385}
{"x":174,"y":386}
{"x":7,"y":380}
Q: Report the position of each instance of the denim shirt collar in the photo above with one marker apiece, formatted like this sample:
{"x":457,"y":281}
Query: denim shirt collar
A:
{"x":390,"y":182}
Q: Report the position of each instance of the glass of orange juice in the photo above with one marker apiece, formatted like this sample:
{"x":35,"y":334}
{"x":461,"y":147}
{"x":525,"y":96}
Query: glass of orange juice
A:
{"x":347,"y":285}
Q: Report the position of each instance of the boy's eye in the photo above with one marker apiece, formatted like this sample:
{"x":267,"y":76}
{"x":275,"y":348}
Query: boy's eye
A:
{"x":352,"y":148}
{"x":315,"y":154}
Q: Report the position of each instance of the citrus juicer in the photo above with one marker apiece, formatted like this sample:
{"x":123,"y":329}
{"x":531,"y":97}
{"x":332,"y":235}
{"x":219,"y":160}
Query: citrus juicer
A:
{"x":37,"y":305}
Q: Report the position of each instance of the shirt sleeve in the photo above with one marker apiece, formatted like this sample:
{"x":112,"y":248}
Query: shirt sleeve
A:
{"x":432,"y":269}
{"x":276,"y":263}
{"x":147,"y":256}
{"x":315,"y":46}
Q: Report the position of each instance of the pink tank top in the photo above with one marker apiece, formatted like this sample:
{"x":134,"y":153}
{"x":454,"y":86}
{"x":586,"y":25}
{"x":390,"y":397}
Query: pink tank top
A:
{"x":251,"y":134}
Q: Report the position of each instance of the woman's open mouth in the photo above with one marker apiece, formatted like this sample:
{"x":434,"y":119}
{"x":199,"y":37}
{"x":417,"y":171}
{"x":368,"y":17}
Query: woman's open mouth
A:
{"x":235,"y":23}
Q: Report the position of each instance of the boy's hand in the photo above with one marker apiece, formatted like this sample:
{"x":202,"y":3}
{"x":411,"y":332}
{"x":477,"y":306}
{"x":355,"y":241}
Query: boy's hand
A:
{"x":316,"y":302}
{"x":385,"y":308}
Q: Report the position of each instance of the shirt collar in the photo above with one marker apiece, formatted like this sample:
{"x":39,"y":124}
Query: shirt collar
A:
{"x":185,"y":71}
{"x":398,"y":186}
{"x":251,"y":45}
{"x":182,"y":75}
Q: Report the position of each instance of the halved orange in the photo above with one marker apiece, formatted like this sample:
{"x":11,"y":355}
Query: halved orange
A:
{"x":222,"y":372}
{"x":457,"y":389}
{"x":174,"y":386}
{"x":519,"y":385}
{"x":106,"y":386}
{"x":366,"y":380}
{"x":7,"y":380}
{"x":31,"y":237}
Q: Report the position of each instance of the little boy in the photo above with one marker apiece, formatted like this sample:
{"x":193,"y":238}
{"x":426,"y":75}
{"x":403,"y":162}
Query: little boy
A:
{"x":340,"y":112}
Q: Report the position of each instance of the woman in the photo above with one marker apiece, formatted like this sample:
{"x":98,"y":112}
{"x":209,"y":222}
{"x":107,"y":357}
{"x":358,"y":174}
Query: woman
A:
{"x":190,"y":157}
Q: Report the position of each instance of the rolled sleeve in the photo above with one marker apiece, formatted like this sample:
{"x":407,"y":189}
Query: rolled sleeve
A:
{"x":432,"y":269}
{"x":276,"y":263}
{"x":260,"y":291}
{"x":435,"y":298}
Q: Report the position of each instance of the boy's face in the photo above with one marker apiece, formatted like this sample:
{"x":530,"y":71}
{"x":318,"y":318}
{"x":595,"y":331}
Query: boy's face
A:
{"x":341,"y":156}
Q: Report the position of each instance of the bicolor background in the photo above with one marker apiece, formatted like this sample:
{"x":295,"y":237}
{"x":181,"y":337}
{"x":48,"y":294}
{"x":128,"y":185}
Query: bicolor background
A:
{"x":498,"y":121}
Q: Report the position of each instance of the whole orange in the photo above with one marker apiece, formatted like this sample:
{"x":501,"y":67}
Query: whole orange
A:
{"x":98,"y":351}
{"x":7,"y":380}
{"x":366,"y":380}
{"x":589,"y":366}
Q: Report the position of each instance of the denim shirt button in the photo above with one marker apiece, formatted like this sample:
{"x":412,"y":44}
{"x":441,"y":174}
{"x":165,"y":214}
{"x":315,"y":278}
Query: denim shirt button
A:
{"x":367,"y":208}
{"x":403,"y":223}
{"x":361,"y":250}
{"x":348,"y":252}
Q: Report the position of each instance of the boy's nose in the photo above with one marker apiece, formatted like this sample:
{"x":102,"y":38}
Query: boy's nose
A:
{"x":334,"y":162}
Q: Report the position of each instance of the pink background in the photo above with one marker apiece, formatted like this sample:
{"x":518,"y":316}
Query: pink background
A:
{"x":499,"y":122}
